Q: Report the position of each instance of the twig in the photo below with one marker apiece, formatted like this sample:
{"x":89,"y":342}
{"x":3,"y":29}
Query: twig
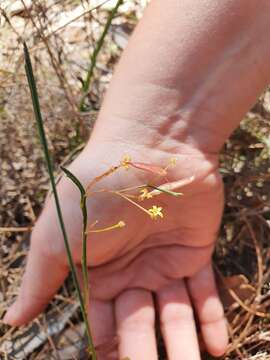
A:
{"x":259,"y":256}
{"x":55,"y":64}
{"x":75,"y":19}
{"x":15,"y":229}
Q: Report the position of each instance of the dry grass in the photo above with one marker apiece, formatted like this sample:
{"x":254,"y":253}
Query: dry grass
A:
{"x":60,"y":48}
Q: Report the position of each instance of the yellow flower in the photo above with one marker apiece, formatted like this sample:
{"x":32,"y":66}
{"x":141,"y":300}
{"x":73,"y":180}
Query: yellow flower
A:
{"x":155,"y":212}
{"x":126,"y":161}
{"x":172,"y":161}
{"x":145,"y":194}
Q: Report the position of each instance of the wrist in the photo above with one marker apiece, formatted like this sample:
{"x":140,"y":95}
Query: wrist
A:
{"x":178,"y":82}
{"x":160,"y":120}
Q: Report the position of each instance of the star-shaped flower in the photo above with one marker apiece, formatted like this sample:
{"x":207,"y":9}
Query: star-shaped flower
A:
{"x":145,"y":194}
{"x":126,"y":162}
{"x":155,"y":212}
{"x":172,"y":161}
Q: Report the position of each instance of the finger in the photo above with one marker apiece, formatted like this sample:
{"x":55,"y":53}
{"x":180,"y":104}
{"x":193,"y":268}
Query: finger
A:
{"x":177,"y":322}
{"x":43,"y":276}
{"x":135,"y":318}
{"x":102,"y":324}
{"x":210,"y":312}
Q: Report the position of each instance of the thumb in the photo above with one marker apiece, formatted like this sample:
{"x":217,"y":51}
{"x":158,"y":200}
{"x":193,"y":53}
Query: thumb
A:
{"x":43,"y":276}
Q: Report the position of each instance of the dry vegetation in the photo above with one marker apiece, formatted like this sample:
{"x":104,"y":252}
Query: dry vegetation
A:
{"x":61,"y":36}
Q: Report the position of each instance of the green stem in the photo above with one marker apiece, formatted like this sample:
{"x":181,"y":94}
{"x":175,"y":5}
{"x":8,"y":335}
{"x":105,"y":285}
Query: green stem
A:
{"x":84,"y":252}
{"x":93,"y":58}
{"x":43,"y":140}
{"x":83,"y":207}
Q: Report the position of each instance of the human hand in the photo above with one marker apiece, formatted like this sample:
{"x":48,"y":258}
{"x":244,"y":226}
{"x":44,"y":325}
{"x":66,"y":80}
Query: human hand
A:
{"x":168,"y":260}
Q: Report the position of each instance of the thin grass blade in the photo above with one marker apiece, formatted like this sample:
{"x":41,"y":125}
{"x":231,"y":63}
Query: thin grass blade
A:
{"x":43,"y":140}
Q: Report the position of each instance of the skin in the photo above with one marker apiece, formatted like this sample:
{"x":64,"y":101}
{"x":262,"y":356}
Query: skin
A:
{"x":182,"y":85}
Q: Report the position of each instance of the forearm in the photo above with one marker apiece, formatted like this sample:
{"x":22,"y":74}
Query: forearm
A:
{"x":191,"y":70}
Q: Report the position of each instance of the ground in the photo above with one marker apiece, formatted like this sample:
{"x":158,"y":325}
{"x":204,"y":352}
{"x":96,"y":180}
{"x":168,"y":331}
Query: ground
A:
{"x":61,"y":37}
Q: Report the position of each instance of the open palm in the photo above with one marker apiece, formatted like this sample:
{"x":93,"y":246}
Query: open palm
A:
{"x":148,"y":266}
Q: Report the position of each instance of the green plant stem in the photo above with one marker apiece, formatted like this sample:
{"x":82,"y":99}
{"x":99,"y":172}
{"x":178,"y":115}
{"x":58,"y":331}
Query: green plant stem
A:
{"x":93,"y":58}
{"x":83,"y":207}
{"x":42,"y":136}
